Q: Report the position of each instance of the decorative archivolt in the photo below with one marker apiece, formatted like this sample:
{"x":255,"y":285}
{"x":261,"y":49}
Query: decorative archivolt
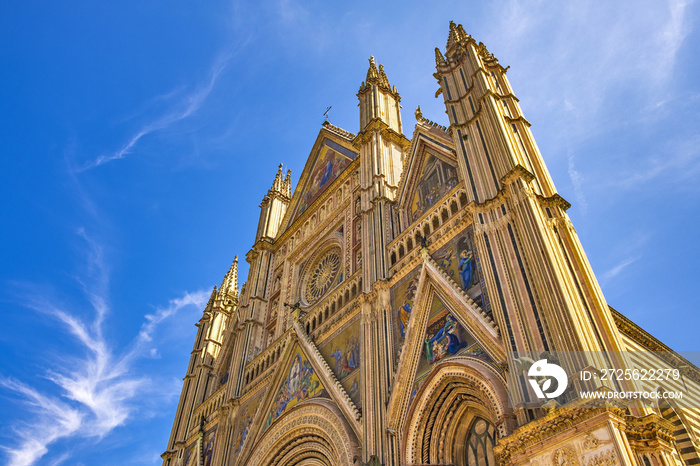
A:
{"x":458,"y":392}
{"x":431,"y":282}
{"x":314,"y":431}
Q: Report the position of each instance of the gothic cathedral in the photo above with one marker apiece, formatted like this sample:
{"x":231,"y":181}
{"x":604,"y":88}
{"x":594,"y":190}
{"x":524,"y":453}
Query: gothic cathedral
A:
{"x":426,"y":301}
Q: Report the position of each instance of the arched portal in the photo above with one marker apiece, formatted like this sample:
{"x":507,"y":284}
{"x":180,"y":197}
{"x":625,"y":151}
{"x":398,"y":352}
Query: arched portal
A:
{"x":457,"y":415}
{"x":311,"y":434}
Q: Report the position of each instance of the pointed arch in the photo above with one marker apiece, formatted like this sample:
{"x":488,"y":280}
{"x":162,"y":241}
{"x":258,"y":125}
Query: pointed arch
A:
{"x":314,"y":433}
{"x":449,"y":408}
{"x":465,"y":385}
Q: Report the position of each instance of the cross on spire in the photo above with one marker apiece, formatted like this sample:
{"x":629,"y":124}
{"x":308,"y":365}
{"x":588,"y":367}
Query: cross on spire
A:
{"x":326,"y":112}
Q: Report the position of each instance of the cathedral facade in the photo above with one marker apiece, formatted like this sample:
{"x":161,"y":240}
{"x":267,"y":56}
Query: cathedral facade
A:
{"x":427,"y":301}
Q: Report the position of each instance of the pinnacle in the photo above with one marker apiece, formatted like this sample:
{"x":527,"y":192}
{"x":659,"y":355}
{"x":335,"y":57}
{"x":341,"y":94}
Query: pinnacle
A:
{"x":288,"y":184}
{"x":457,"y":35}
{"x":212,"y":297}
{"x":376,"y":76}
{"x":383,"y":80}
{"x":230,"y":284}
{"x":278,"y":184}
{"x":418,"y":114}
{"x":439,"y":59}
{"x":453,"y":37}
{"x":463,"y":36}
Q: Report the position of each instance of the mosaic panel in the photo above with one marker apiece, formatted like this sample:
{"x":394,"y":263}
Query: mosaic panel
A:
{"x":328,"y":166}
{"x":461,"y":262}
{"x":444,"y":337}
{"x":436,"y":179}
{"x":246,"y":414}
{"x":402,"y":296}
{"x":191,"y":455}
{"x":301,"y":383}
{"x":342,"y":352}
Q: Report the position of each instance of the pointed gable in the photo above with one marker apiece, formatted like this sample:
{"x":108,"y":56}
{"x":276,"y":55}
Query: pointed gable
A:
{"x":444,"y":336}
{"x":444,"y":327}
{"x":299,"y":382}
{"x":331,"y":154}
{"x":435,"y":179}
{"x":430,"y":170}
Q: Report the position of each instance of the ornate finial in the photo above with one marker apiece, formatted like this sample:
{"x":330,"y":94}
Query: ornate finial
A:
{"x":439,"y":59}
{"x":419,"y":115}
{"x":372,"y":73}
{"x":485,"y":54}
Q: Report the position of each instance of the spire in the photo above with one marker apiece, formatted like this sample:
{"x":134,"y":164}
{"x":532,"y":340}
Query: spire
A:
{"x":274,"y":205}
{"x":229,"y":287}
{"x":462,"y":34}
{"x":373,"y":107}
{"x":376,"y":76}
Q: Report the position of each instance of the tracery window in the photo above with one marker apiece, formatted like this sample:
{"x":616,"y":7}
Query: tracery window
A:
{"x":321,"y":275}
{"x":480,"y":442}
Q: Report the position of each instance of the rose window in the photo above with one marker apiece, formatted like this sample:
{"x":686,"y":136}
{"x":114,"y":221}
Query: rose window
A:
{"x":322,"y":275}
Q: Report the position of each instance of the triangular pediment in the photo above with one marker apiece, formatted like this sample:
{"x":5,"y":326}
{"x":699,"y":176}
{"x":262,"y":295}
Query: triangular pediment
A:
{"x":331,"y":154}
{"x":295,"y":380}
{"x":443,"y":324}
{"x":302,"y":376}
{"x":443,"y":337}
{"x":430,"y":172}
{"x":299,"y":382}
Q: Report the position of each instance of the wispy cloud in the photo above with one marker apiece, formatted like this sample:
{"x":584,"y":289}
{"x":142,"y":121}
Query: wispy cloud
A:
{"x":629,"y":52}
{"x":632,"y":250}
{"x":680,"y":162}
{"x":577,"y":181}
{"x":197,"y":299}
{"x":97,"y":390}
{"x":617,"y":269}
{"x":622,"y":46}
{"x":185,"y":107}
{"x":54,"y":420}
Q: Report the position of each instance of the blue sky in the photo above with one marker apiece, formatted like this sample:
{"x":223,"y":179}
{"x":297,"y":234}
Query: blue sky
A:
{"x":138,"y":139}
